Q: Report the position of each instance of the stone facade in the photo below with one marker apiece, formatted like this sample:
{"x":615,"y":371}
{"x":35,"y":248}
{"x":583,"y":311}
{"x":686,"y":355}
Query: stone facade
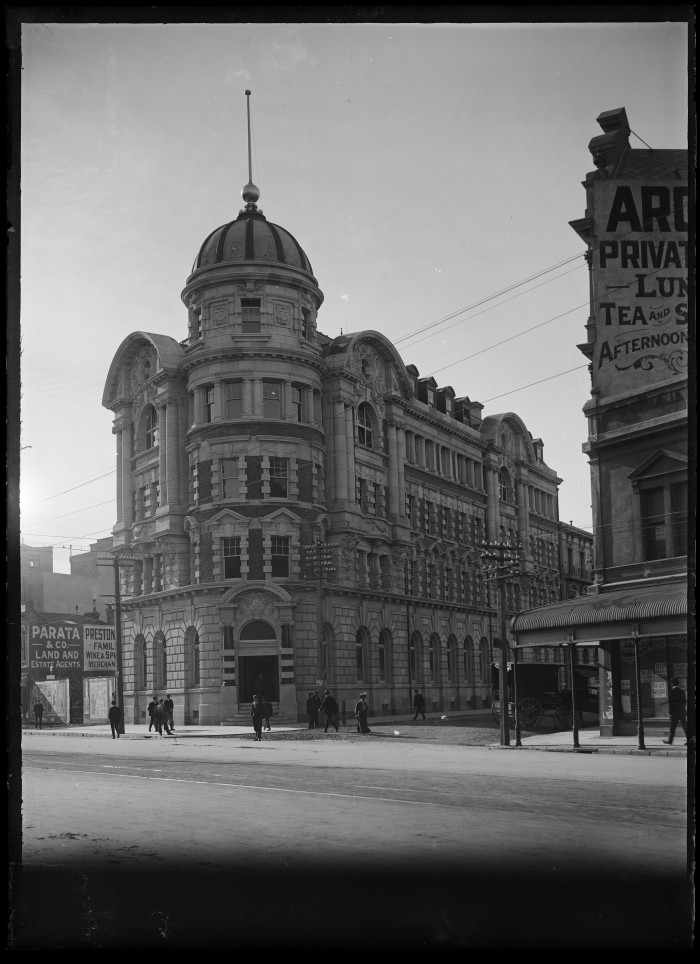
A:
{"x":256,"y":440}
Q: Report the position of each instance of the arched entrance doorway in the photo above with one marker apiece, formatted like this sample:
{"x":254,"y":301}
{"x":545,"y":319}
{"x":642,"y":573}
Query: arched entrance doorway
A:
{"x":258,"y":662}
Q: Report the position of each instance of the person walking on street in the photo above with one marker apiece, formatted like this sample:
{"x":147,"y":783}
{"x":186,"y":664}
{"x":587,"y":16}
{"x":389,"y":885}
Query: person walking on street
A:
{"x":418,"y":704}
{"x":115,"y":718}
{"x":361,"y":711}
{"x":169,"y":709}
{"x":677,"y":711}
{"x":257,"y":714}
{"x":38,"y":714}
{"x":329,"y":707}
{"x":267,"y":711}
{"x":317,"y":708}
{"x":311,"y":710}
{"x":161,"y":719}
{"x":151,"y":711}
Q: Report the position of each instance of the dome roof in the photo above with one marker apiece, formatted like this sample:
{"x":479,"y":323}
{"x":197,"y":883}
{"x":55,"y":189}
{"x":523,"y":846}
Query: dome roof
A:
{"x":251,"y":237}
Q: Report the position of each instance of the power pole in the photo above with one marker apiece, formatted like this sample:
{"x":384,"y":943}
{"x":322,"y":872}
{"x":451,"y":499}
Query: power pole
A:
{"x":501,"y":561}
{"x":117,"y":561}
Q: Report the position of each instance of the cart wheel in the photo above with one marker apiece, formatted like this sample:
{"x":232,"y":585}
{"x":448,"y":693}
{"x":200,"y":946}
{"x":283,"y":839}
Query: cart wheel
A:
{"x":530,"y":711}
{"x":562,"y":718}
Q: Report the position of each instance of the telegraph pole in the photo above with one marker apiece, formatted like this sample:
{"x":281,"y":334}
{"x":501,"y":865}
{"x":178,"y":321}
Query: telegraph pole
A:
{"x":117,"y":561}
{"x":501,"y":561}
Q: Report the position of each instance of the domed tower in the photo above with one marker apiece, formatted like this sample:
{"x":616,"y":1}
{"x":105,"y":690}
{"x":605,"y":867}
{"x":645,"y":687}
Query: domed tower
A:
{"x":255,"y":446}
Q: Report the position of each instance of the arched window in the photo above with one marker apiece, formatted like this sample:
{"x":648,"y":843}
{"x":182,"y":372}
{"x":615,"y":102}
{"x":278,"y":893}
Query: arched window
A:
{"x":361,"y":655}
{"x":434,"y":658}
{"x":140,"y":663}
{"x":415,"y":658}
{"x":147,"y":369}
{"x":150,"y":428}
{"x":193,"y":651}
{"x":469,"y":659}
{"x":160,"y":662}
{"x":452,"y":663}
{"x":505,"y":486}
{"x":484,"y":659}
{"x":364,"y":426}
{"x":384,"y":651}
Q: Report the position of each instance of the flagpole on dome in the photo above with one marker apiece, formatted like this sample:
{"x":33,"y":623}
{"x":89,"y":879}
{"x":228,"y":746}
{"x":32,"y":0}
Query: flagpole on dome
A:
{"x":250,"y":192}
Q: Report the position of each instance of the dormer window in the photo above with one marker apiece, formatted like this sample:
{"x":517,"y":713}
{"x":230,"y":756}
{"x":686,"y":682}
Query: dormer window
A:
{"x":250,"y":315}
{"x":431,"y":397}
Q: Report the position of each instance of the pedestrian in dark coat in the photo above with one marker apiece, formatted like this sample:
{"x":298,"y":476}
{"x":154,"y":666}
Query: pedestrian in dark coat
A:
{"x":418,"y":704}
{"x":115,"y":718}
{"x":257,"y":714}
{"x":311,"y":710}
{"x":161,"y":719}
{"x":169,"y":709}
{"x":267,"y":712}
{"x":677,"y":711}
{"x":151,"y":710}
{"x":38,"y":714}
{"x":361,"y":711}
{"x":329,"y":707}
{"x":317,"y":708}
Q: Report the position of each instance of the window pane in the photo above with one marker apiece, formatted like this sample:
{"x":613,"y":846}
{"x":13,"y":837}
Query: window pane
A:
{"x":272,"y":399}
{"x":280,"y":555}
{"x":278,"y":478}
{"x":231,"y":550}
{"x":234,"y":399}
{"x":250,"y":315}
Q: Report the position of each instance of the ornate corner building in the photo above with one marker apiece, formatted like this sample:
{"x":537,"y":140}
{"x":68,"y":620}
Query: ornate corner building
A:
{"x":297,"y":512}
{"x":636,"y":229}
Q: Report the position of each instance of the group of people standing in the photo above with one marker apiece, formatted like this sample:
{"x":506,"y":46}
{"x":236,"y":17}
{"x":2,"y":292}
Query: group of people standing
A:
{"x":315,"y":706}
{"x":160,"y":715}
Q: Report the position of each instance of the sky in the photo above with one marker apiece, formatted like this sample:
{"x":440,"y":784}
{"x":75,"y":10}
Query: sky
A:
{"x":429,"y":171}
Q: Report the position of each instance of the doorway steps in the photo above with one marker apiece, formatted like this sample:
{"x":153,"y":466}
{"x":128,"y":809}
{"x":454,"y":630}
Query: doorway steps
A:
{"x":242,"y":717}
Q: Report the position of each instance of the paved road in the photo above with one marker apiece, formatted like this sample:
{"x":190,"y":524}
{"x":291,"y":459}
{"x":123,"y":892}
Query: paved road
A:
{"x":207,"y":844}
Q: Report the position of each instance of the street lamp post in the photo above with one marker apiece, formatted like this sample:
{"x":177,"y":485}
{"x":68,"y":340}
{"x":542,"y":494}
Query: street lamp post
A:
{"x":500,"y":562}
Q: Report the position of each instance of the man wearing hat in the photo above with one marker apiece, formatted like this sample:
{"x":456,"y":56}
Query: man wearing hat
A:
{"x":361,"y":711}
{"x":329,"y":707}
{"x":115,"y":717}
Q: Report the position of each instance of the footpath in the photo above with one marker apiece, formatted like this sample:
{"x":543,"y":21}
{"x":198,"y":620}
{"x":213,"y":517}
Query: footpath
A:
{"x":589,"y":739}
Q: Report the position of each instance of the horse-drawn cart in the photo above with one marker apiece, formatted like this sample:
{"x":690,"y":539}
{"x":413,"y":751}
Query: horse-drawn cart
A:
{"x":540,"y":694}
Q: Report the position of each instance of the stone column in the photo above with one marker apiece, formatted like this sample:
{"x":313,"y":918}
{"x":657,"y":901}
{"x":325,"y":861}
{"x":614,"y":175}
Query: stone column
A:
{"x":172,"y":452}
{"x":117,"y":430}
{"x":523,"y":517}
{"x":400,"y":477}
{"x":162,"y":445}
{"x":394,"y":504}
{"x":247,"y":398}
{"x":127,"y":499}
{"x":350,"y":452}
{"x":257,"y":400}
{"x":492,"y":533}
{"x":340,"y":470}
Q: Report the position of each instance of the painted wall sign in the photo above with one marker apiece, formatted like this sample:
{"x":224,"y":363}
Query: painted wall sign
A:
{"x":640,"y":283}
{"x":64,"y":645}
{"x":55,"y":647}
{"x":100,"y":648}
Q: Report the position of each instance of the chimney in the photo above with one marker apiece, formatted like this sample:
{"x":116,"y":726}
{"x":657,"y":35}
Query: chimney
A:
{"x":609,"y":148}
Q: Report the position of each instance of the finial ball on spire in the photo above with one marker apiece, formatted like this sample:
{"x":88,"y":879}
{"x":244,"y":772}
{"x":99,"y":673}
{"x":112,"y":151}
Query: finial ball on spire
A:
{"x":247,"y":93}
